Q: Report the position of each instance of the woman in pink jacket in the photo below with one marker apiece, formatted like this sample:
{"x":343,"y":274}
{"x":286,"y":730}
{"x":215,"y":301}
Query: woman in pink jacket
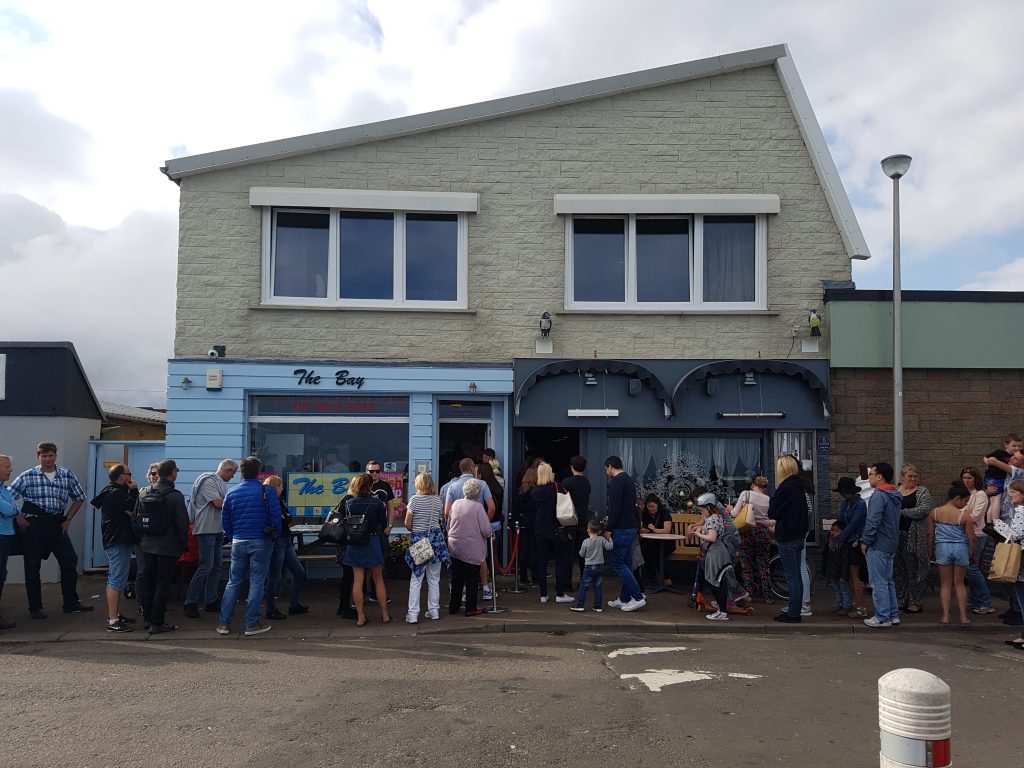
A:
{"x":468,"y":533}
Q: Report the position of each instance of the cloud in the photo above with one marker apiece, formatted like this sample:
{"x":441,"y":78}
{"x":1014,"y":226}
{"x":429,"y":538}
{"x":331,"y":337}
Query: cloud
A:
{"x":38,"y":148}
{"x":21,"y":27}
{"x":1008,"y":277}
{"x":22,"y":220}
{"x":110,"y":292}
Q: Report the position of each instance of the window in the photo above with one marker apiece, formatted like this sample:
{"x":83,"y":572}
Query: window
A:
{"x":374,"y":259}
{"x":666,"y":262}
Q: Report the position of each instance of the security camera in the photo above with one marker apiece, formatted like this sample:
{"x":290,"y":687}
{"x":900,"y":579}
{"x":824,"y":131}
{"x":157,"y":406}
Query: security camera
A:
{"x":216,"y":351}
{"x":213,"y":354}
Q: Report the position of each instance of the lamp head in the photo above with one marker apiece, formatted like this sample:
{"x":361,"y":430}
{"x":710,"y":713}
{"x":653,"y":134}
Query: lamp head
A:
{"x":896,"y":166}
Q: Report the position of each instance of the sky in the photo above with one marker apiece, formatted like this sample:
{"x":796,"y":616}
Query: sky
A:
{"x":95,"y":97}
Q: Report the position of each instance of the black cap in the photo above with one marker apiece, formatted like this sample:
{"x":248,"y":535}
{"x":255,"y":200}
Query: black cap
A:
{"x":846,"y":485}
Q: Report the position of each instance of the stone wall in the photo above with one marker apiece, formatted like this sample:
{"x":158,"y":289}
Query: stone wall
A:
{"x":731,"y":133}
{"x":951,"y":419}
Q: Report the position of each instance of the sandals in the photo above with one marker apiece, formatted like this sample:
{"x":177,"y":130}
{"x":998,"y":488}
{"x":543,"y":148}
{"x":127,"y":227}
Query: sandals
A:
{"x":914,"y":609}
{"x":362,"y":623}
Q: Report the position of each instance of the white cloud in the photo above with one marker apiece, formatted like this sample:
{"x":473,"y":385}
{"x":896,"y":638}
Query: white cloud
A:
{"x":1009,"y":277}
{"x":110,"y":292}
{"x":95,"y":98}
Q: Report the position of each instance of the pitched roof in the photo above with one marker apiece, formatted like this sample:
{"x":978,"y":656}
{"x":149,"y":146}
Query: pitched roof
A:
{"x":777,"y":55}
{"x":131,"y":413}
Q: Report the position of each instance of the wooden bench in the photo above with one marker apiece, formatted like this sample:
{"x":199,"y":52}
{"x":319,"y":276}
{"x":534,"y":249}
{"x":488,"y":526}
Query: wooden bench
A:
{"x":689,"y":548}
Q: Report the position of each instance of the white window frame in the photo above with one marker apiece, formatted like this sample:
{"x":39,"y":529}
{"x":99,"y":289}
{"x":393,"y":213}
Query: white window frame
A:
{"x":696,"y":266}
{"x":333,"y":298}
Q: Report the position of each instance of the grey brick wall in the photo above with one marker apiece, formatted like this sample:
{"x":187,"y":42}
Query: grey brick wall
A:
{"x":731,"y":133}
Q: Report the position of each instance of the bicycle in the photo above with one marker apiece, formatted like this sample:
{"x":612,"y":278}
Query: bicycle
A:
{"x":777,"y":576}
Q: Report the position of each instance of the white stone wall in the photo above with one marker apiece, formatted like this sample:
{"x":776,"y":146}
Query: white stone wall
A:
{"x":732,"y":133}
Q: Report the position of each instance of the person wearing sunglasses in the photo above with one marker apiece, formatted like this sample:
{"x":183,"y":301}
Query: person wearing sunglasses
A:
{"x":382,"y":490}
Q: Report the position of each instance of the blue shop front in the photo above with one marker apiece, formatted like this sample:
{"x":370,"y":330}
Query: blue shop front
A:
{"x":676,"y":424}
{"x":316,"y":423}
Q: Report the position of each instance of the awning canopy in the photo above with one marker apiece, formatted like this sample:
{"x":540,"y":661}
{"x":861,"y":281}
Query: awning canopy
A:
{"x":785,"y":367}
{"x":624,"y":367}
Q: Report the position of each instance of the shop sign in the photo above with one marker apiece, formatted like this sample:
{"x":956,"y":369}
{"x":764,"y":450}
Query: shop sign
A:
{"x":342,"y":378}
{"x":355,"y":405}
{"x":315,"y":494}
{"x":824,"y":444}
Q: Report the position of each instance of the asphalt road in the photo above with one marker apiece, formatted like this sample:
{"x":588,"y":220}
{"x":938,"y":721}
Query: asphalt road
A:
{"x":393,"y":698}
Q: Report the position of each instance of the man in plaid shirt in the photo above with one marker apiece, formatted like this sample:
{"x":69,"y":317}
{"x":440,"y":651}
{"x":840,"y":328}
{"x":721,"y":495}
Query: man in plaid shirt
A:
{"x":44,"y":520}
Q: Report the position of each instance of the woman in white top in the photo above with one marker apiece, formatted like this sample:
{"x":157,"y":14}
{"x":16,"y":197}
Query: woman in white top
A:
{"x":755,"y":543}
{"x":424,"y":517}
{"x":1014,"y":531}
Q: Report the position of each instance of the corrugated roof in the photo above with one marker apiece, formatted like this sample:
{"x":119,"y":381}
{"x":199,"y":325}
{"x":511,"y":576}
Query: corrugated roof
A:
{"x":132,"y":413}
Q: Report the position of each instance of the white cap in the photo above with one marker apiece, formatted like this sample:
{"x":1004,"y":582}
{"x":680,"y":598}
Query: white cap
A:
{"x":707,"y":500}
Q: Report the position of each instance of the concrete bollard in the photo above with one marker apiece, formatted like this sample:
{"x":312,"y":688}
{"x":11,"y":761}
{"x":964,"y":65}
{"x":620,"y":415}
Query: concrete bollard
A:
{"x":914,"y":720}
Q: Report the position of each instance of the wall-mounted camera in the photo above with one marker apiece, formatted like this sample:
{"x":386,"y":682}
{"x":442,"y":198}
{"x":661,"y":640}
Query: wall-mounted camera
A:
{"x":217,"y":350}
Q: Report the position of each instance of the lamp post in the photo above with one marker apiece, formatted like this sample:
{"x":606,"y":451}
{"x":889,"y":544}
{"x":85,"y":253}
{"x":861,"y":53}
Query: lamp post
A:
{"x":896,"y":167}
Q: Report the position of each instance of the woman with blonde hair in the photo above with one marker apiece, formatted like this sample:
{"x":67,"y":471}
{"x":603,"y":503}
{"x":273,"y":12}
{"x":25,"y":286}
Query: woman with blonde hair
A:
{"x":788,"y":508}
{"x":424,"y":517}
{"x":912,"y":563}
{"x":545,"y":536}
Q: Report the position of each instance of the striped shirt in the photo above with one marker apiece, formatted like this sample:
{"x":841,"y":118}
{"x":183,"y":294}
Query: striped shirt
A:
{"x":427,"y":513}
{"x":52,"y":495}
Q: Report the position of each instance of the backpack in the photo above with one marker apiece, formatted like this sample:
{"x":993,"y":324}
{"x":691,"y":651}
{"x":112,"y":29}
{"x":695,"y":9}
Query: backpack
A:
{"x":154,"y":515}
{"x":359,"y":527}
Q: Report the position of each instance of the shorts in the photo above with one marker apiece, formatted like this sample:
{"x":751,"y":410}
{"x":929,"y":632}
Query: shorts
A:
{"x":119,"y":560}
{"x":952,"y":554}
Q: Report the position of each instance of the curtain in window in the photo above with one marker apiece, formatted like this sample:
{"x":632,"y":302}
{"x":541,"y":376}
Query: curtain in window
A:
{"x":729,"y":264}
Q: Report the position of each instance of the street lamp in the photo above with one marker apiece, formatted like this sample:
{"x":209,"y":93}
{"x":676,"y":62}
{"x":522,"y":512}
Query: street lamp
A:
{"x":896,"y":167}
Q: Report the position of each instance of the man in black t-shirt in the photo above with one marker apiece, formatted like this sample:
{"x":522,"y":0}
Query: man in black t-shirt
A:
{"x":381,"y":490}
{"x":578,"y":488}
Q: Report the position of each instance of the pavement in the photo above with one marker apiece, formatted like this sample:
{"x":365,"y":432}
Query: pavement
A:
{"x":665,"y":614}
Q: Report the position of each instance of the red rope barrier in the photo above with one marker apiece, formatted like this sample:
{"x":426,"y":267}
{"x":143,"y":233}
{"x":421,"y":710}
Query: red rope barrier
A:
{"x":511,"y":558}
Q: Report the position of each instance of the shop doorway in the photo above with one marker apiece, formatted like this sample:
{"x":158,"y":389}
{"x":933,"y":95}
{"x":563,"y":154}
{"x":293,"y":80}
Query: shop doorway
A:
{"x":458,"y":439}
{"x":555,"y":444}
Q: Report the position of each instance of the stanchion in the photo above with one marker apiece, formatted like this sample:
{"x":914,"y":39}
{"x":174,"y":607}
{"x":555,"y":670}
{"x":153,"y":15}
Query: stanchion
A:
{"x":494,"y":590}
{"x":914,"y":720}
{"x":516,"y":589}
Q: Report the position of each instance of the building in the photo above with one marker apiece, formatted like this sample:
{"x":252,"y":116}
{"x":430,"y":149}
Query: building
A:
{"x":377,"y":291}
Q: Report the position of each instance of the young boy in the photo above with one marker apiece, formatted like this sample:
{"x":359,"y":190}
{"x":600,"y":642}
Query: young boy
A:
{"x":592,"y":551}
{"x":835,"y":565}
{"x":995,"y":478}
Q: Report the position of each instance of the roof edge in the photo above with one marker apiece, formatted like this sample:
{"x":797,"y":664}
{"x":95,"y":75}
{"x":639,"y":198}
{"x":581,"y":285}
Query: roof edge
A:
{"x":181,"y":167}
{"x":821,"y":158}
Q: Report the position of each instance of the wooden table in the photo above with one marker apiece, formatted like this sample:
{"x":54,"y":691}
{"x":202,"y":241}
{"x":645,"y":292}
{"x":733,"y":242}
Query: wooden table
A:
{"x":673,"y":537}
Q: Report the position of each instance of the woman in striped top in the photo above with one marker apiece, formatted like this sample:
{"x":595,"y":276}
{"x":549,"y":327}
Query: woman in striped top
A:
{"x":424,"y":517}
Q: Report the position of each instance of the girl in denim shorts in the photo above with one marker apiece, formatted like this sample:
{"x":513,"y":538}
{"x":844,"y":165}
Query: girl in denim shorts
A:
{"x":951,"y":533}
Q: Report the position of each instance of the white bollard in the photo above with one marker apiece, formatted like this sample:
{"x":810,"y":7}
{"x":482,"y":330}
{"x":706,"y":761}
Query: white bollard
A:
{"x":914,"y":720}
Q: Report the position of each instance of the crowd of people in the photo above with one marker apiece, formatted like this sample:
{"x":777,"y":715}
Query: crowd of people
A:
{"x":889,"y":533}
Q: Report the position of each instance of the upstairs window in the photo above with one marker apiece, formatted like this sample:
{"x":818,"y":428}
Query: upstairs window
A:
{"x":666,"y":262}
{"x":372,"y":259}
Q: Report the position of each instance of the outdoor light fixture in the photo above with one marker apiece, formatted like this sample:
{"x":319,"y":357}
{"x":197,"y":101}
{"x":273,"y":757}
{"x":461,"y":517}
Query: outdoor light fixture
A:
{"x":472,"y":387}
{"x":186,"y":383}
{"x":814,"y":320}
{"x":545,"y":324}
{"x":749,"y":380}
{"x":896,"y":167}
{"x":589,"y":379}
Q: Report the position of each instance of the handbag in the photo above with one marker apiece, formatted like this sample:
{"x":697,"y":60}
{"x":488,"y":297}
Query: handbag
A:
{"x":744,"y":521}
{"x":1005,"y":562}
{"x":565,"y":510}
{"x":333,"y":529}
{"x":422,"y":552}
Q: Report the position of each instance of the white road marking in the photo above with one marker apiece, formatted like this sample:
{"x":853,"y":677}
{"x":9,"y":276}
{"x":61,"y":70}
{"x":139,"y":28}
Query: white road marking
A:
{"x":641,"y":651}
{"x":656,"y":679}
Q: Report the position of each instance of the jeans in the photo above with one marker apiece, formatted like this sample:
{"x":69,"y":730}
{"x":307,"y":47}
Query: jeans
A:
{"x":119,"y":560}
{"x":591,"y":576}
{"x":206,"y":580}
{"x":883,"y":587}
{"x":5,"y":549}
{"x":248,"y":559}
{"x":42,"y":536}
{"x":791,"y":553}
{"x":284,"y":556}
{"x":843,"y":597}
{"x":978,"y":596}
{"x":432,"y":572}
{"x":622,"y":563}
{"x":160,"y":570}
{"x":805,"y":576}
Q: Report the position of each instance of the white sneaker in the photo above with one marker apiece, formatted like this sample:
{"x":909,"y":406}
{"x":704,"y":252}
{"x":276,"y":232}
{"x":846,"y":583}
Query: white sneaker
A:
{"x":564,"y":599}
{"x":874,"y":622}
{"x":543,"y":599}
{"x":717,"y":616}
{"x":412,"y":620}
{"x":488,"y":594}
{"x":805,"y":610}
{"x":634,"y":605}
{"x":599,"y":610}
{"x":577,"y":608}
{"x":223,"y":629}
{"x":616,"y":603}
{"x":433,"y":615}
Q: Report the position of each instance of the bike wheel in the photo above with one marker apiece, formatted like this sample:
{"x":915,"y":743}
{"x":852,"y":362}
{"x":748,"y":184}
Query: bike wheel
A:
{"x":777,"y":578}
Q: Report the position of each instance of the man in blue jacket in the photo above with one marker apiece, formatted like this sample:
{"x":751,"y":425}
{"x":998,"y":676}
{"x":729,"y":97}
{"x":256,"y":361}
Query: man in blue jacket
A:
{"x":878,"y":542}
{"x":251,"y":528}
